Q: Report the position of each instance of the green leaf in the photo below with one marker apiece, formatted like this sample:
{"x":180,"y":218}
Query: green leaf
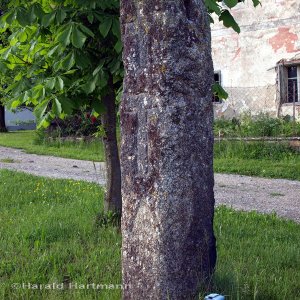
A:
{"x":31,"y":15}
{"x":39,"y":92}
{"x":52,"y":51}
{"x":90,"y":86}
{"x":93,"y":4}
{"x":256,"y":2}
{"x":41,"y":109}
{"x":78,"y":38}
{"x":229,"y":21}
{"x":19,"y":76}
{"x":60,"y":16}
{"x":6,"y":53}
{"x":213,"y":6}
{"x":98,"y":106}
{"x":4,"y":17}
{"x":71,"y":72}
{"x":59,"y":83}
{"x":231,"y":3}
{"x":64,"y":36}
{"x":50,"y":83}
{"x":96,"y":71}
{"x":56,"y":107}
{"x":68,"y":62}
{"x":90,"y":18}
{"x":10,"y":17}
{"x":47,"y":19}
{"x":24,"y":97}
{"x":105,"y":26}
{"x":44,"y":121}
{"x":82,"y":60}
{"x":15,"y":104}
{"x":3,"y":68}
{"x":12,"y":104}
{"x":86,"y":30}
{"x":115,"y":65}
{"x":67,"y":105}
{"x":118,"y":46}
{"x":116,"y":28}
{"x":38,"y":11}
{"x":12,"y":87}
{"x":23,"y":37}
{"x":219,"y":91}
{"x":103,"y":80}
{"x":22,"y":18}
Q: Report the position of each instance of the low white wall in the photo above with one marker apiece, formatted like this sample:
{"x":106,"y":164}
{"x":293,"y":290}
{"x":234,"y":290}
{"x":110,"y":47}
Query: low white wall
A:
{"x":20,"y":120}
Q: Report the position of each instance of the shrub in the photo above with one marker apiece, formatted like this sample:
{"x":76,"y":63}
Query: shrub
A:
{"x":262,"y":125}
{"x":223,"y":127}
{"x":82,"y":124}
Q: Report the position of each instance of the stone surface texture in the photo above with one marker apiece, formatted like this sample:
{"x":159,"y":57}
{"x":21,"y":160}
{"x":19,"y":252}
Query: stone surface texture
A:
{"x":166,"y":149}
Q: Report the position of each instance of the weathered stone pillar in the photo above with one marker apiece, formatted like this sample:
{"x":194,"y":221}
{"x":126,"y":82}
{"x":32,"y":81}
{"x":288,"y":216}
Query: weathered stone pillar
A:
{"x":167,"y":149}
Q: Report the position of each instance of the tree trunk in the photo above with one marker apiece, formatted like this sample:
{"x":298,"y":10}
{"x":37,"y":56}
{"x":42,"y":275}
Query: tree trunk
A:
{"x":2,"y":119}
{"x":113,"y":199}
{"x":168,"y":249}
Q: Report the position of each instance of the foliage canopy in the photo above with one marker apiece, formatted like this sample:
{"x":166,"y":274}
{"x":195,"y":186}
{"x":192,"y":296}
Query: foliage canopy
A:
{"x":60,"y":54}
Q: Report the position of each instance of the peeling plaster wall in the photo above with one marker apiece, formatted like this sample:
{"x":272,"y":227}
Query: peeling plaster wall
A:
{"x":247,"y":61}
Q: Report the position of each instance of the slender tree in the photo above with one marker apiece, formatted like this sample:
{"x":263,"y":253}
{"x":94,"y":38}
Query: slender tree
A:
{"x":113,"y":198}
{"x":169,"y":249}
{"x":66,"y":55}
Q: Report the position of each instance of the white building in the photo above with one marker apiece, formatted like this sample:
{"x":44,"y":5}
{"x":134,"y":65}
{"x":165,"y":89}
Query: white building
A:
{"x":260,"y":67}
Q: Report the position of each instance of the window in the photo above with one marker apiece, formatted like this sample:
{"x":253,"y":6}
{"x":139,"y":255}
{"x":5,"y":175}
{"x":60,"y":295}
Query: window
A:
{"x":292,"y":84}
{"x":289,"y":82}
{"x":217,"y":78}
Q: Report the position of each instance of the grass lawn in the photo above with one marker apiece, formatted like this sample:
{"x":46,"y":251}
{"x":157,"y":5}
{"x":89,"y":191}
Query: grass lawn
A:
{"x":49,"y":234}
{"x":289,"y":169}
{"x":78,"y":150}
{"x":263,"y":159}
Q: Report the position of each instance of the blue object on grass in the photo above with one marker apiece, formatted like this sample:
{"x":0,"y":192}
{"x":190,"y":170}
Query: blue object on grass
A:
{"x":214,"y":297}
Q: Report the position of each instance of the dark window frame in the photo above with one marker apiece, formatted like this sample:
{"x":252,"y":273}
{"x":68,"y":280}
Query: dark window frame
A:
{"x":292,"y":93}
{"x":286,"y":81}
{"x":218,"y":79}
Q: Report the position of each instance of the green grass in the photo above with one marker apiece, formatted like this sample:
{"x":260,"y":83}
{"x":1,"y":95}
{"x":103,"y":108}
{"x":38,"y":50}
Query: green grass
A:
{"x":77,"y":150}
{"x":257,"y":159}
{"x":48,"y":234}
{"x":261,"y":168}
{"x":258,"y":256}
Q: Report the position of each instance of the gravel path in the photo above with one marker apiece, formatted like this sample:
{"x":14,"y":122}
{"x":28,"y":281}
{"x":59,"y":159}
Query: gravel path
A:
{"x":50,"y":166}
{"x":240,"y":192}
